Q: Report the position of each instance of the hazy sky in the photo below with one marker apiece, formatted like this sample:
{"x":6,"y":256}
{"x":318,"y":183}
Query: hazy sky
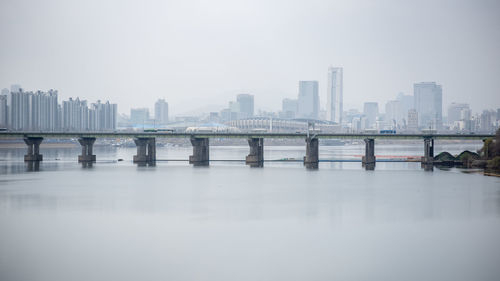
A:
{"x":201,"y":53}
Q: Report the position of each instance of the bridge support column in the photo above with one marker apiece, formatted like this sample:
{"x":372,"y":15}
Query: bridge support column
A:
{"x":146,"y":150}
{"x":368,"y":161}
{"x":201,"y":155}
{"x":428,"y":151}
{"x":152,"y":150}
{"x":428,"y":159}
{"x":311,"y":160}
{"x":256,"y":156}
{"x":33,"y":149}
{"x":87,"y":150}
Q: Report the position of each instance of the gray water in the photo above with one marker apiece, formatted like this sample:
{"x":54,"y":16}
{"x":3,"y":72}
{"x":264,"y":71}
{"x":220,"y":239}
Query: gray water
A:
{"x":118,"y":221}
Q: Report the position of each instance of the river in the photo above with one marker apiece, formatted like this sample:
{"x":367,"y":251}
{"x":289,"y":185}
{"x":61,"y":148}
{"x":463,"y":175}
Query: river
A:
{"x":118,"y":221}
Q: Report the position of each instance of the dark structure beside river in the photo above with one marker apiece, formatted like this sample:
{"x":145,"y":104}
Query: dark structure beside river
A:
{"x":488,"y":157}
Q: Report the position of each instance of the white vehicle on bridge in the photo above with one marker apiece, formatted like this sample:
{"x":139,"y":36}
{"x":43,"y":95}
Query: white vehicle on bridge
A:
{"x":212,"y":128}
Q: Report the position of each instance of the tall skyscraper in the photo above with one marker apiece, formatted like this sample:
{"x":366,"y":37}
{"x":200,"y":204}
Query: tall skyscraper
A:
{"x":334,"y":93}
{"x":289,"y":108}
{"x":161,"y":111}
{"x":308,"y":102}
{"x":393,"y":113}
{"x":428,"y":99}
{"x":246,"y":105}
{"x":370,"y":110}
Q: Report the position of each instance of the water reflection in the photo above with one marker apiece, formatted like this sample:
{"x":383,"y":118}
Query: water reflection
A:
{"x":427,"y":167}
{"x":311,"y":166}
{"x":32,"y":166}
{"x":235,"y":193}
{"x":256,"y":164}
{"x":369,"y":166}
{"x":201,"y":164}
{"x":146,"y":164}
{"x":87,"y":164}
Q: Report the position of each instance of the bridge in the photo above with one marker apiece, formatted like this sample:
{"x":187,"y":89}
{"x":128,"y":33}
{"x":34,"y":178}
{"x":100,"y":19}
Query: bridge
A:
{"x":146,"y":144}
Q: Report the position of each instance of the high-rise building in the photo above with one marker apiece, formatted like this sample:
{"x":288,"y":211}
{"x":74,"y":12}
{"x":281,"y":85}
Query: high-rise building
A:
{"x":33,"y":111}
{"x":455,"y":112}
{"x":3,"y":112}
{"x":43,"y":113}
{"x":103,"y":116}
{"x":161,"y":111}
{"x":139,"y":116}
{"x":289,"y":108}
{"x":465,"y":114}
{"x":19,"y":110}
{"x":393,"y":114}
{"x":246,"y":105}
{"x":370,"y":110}
{"x":487,"y":121}
{"x":412,"y":120}
{"x":75,"y":115}
{"x":428,"y":100}
{"x":234,"y":109}
{"x":308,"y":102}
{"x":6,"y":92}
{"x":40,"y":111}
{"x":406,"y":103}
{"x":334,"y":93}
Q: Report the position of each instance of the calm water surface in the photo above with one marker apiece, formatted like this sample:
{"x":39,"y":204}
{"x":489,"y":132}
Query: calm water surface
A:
{"x":118,"y":221}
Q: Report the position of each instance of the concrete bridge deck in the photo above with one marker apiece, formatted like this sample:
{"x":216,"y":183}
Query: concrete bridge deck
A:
{"x":9,"y":134}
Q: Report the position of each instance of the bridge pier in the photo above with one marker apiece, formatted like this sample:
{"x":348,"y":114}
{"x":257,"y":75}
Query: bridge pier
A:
{"x":368,"y":161}
{"x":428,"y":159}
{"x":428,"y":151}
{"x":87,"y":150}
{"x":311,"y":160}
{"x":33,"y":149}
{"x":146,"y":150}
{"x":256,"y":156}
{"x":201,"y":152}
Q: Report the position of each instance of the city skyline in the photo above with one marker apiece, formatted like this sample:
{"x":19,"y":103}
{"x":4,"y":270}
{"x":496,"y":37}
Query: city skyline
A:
{"x":322,"y":104}
{"x":27,"y":110}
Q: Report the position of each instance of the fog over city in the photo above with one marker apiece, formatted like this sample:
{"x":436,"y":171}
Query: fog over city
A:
{"x":198,"y":55}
